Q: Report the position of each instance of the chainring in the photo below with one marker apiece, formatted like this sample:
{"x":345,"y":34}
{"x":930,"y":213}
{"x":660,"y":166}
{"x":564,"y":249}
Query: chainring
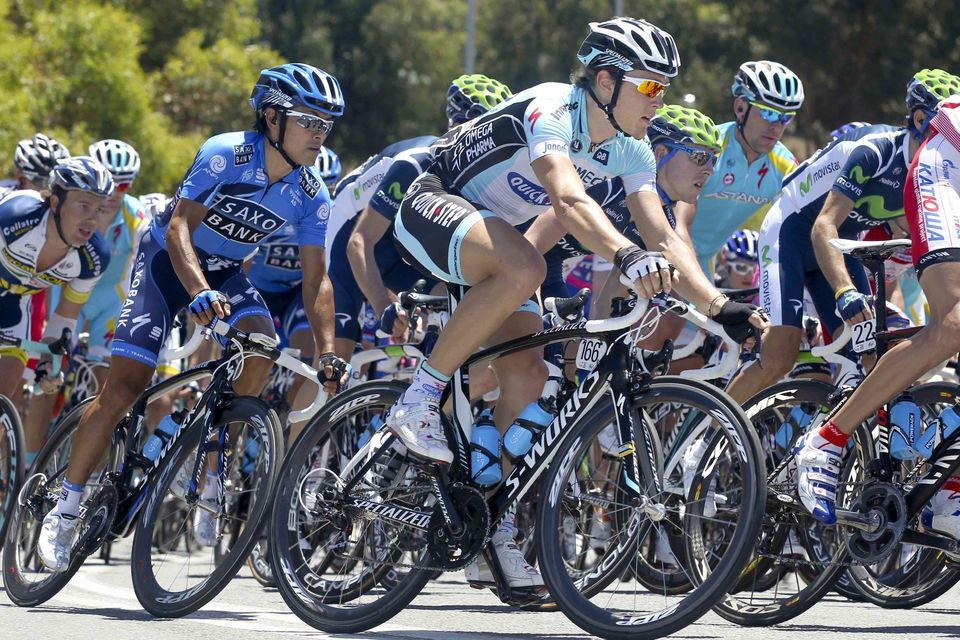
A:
{"x":450,"y":552}
{"x":97,"y":519}
{"x":886,"y":502}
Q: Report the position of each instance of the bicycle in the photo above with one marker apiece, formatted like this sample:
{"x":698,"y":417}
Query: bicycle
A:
{"x":879,"y":497}
{"x":340,"y":523}
{"x":12,"y":447}
{"x":126,"y":493}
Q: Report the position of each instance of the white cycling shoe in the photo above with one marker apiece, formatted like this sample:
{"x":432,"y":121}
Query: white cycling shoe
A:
{"x":688,"y":465}
{"x":57,"y":536}
{"x":516,"y":569}
{"x":942,"y":514}
{"x":417,"y":424}
{"x":817,"y":474}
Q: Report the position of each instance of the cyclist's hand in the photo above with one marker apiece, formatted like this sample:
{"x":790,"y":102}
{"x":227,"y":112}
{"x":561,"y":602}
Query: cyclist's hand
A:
{"x":394,"y":320}
{"x":333,"y":372}
{"x":743,"y":322}
{"x":854,"y":307}
{"x":47,"y":382}
{"x":648,"y":272}
{"x":208,"y":305}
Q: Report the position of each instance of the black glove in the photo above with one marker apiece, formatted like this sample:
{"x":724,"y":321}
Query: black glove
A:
{"x":735,"y":318}
{"x":340,"y":367}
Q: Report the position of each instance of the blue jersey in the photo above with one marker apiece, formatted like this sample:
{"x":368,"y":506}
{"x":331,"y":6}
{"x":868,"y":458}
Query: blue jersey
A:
{"x":488,"y":160}
{"x":23,"y":232}
{"x":276,"y":267}
{"x":867,"y":165}
{"x":735,"y":192}
{"x":229,"y":177}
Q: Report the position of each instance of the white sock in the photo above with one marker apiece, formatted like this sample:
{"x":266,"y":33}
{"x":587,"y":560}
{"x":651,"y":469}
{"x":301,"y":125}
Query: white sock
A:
{"x":427,"y":386}
{"x":69,"y":504}
{"x":210,"y":487}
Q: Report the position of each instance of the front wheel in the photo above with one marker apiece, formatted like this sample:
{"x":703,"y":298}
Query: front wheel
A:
{"x":11,"y":461}
{"x":710,"y":549}
{"x":179,"y":579}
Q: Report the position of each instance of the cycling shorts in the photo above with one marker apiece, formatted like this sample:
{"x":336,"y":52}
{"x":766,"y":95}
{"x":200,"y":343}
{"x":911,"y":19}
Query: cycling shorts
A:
{"x":932,"y":203}
{"x":788,"y":264}
{"x":430,"y":228}
{"x":155,"y":295}
{"x":289,"y":315}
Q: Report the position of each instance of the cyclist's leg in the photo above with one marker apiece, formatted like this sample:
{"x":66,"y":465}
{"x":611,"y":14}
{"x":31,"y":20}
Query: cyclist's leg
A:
{"x":249,"y":314}
{"x":347,"y":302}
{"x":786,"y":250}
{"x":521,"y":375}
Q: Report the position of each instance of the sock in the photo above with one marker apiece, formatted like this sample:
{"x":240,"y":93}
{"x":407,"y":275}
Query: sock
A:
{"x":830,"y":438}
{"x":427,"y":385}
{"x":508,"y":526}
{"x":951,"y":489}
{"x":69,"y":504}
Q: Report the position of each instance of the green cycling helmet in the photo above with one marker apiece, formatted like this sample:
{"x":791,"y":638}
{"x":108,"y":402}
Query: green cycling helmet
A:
{"x":683,"y":125}
{"x":472,"y":95}
{"x":928,"y":87}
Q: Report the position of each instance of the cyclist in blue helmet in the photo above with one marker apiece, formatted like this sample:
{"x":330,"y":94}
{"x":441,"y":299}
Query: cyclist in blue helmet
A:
{"x":738,"y":260}
{"x":243,"y":187}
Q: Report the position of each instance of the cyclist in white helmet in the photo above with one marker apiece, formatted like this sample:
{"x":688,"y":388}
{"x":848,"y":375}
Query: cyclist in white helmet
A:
{"x":753,"y":162}
{"x":34,"y":158}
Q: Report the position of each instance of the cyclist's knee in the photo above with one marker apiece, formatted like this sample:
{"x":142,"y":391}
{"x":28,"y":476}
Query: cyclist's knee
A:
{"x":123,"y":385}
{"x":778,"y":360}
{"x":522,"y":376}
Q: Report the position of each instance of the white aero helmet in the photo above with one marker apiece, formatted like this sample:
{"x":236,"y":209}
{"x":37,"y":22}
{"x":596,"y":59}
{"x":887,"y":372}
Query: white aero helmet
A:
{"x":770,"y":83}
{"x":120,"y":158}
{"x":629,"y":44}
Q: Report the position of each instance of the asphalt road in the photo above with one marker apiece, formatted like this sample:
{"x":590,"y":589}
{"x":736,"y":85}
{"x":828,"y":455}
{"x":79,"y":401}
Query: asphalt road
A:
{"x":99,"y":603}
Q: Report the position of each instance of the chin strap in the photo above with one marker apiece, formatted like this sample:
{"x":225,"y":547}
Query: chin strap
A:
{"x":56,"y":222}
{"x":278,"y":144}
{"x":743,"y":136}
{"x":607,"y":108}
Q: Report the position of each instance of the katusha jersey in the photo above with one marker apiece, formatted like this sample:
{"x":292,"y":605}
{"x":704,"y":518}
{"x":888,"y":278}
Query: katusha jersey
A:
{"x":488,"y":160}
{"x":276,"y":266}
{"x":867,"y":165}
{"x":23,"y":232}
{"x":229,"y":177}
{"x":735,"y":191}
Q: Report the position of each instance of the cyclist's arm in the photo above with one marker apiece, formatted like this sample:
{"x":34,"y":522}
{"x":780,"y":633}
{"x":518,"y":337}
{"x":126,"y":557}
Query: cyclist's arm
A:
{"x":545,"y":232}
{"x":318,"y":296}
{"x":371,"y":227}
{"x":575,"y":210}
{"x":647,"y":214}
{"x":835,"y":210}
{"x":185,"y":219}
{"x":685,"y":212}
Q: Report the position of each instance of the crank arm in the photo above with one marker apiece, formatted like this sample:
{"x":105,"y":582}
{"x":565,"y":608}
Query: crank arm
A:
{"x":932,"y":540}
{"x":858,"y":520}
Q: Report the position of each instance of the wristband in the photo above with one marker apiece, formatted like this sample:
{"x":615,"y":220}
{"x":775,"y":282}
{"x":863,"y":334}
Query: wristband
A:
{"x":843,"y":290}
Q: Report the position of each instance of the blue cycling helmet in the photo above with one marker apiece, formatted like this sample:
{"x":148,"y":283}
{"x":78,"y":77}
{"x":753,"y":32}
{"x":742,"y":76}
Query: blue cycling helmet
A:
{"x":742,"y":245}
{"x":295,"y":84}
{"x":82,"y":173}
{"x":847,"y":128}
{"x":328,"y":164}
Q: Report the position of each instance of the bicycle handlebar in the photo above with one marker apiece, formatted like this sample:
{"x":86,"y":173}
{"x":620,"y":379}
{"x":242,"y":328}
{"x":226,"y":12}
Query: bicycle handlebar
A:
{"x":186,"y":350}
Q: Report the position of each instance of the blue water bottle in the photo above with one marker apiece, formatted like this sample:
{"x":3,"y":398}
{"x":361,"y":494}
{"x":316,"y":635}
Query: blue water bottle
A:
{"x":934,"y":434}
{"x":796,"y":422}
{"x":163,"y":434}
{"x":534,"y":418}
{"x":906,"y":425}
{"x":485,"y":451}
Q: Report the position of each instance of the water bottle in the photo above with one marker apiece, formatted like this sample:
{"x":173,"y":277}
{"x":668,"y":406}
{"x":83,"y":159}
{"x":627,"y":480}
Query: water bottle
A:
{"x":534,"y":418}
{"x":164,"y":433}
{"x":799,"y":419}
{"x":906,"y":427}
{"x":250,"y":454}
{"x":934,"y":434}
{"x":485,"y":451}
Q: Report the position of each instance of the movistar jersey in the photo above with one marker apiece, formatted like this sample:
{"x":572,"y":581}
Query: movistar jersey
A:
{"x":735,"y":192}
{"x":23,"y":232}
{"x":488,"y":160}
{"x":867,"y":165}
{"x":405,"y":168}
{"x":363,"y":180}
{"x":276,"y":266}
{"x":229,"y":177}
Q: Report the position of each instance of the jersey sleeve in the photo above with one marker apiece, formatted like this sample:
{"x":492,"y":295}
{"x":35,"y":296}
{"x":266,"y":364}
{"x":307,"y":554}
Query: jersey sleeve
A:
{"x":548,"y":128}
{"x":212,"y":167}
{"x":639,"y":172}
{"x":312,"y":225}
{"x":863,"y":163}
{"x":94,"y":259}
{"x":398,"y":178}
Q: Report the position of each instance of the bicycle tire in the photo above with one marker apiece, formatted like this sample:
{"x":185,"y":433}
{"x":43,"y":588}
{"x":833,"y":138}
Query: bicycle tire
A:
{"x":303,"y":587}
{"x":162,"y":601}
{"x":12,"y":461}
{"x":685,"y":608}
